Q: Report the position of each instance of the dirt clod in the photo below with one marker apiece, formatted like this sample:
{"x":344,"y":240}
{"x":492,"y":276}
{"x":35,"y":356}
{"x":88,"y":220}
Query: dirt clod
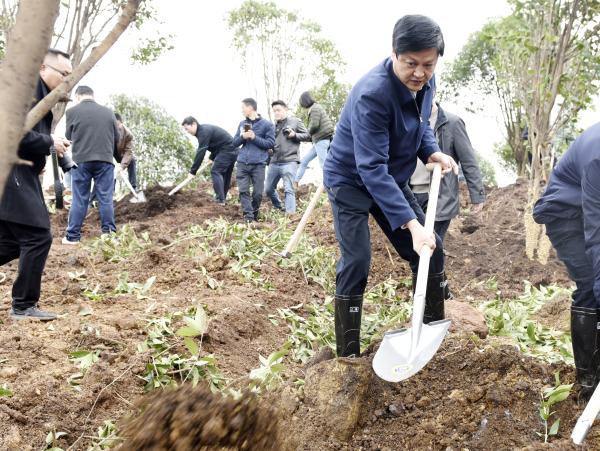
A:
{"x":190,"y":418}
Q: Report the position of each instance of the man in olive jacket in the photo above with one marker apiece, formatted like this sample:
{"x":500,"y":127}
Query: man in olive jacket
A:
{"x":452,"y":137}
{"x":124,"y":152}
{"x":24,"y":221}
{"x":289,"y":133}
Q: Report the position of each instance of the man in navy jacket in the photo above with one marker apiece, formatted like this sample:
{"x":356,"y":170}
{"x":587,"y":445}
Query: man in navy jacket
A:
{"x":570,"y":209}
{"x":383,"y":128}
{"x":256,"y":136}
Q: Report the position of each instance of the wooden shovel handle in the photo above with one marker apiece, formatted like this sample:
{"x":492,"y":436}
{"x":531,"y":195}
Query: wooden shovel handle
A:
{"x":300,"y":227}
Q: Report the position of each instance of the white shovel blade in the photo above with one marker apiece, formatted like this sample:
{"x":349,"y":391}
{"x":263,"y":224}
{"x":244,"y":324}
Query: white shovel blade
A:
{"x":395,"y":360}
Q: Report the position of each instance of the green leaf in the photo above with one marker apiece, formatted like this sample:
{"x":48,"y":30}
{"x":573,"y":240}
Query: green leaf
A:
{"x":5,"y":392}
{"x":191,"y":345}
{"x":187,"y":332}
{"x":554,"y":427}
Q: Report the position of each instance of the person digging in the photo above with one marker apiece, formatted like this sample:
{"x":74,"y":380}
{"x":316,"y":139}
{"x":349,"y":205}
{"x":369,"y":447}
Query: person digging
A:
{"x":381,"y":133}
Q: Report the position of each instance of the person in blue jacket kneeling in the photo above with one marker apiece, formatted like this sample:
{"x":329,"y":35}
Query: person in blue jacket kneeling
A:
{"x":382,"y":131}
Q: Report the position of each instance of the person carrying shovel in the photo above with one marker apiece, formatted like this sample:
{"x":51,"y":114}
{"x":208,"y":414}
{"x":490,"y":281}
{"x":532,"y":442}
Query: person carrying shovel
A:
{"x":382,"y":131}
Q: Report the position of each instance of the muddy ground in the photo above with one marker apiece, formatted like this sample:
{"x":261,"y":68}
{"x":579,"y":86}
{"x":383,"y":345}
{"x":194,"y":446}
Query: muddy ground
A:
{"x":475,"y":394}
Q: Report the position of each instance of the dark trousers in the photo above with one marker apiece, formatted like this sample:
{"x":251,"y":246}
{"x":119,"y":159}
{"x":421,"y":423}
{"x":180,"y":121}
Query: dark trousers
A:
{"x":221,"y":171}
{"x":567,"y":238}
{"x":351,"y":207}
{"x":250,"y":175}
{"x":131,"y":173}
{"x":440,"y":227}
{"x":31,"y":246}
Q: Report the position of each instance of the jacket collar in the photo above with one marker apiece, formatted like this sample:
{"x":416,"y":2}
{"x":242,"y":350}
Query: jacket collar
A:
{"x":403,"y":92}
{"x":442,"y":119}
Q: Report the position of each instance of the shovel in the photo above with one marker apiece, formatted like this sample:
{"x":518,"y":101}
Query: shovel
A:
{"x":287,"y":253}
{"x":404,"y":352}
{"x":187,"y":180}
{"x":58,"y":186}
{"x":585,"y":421}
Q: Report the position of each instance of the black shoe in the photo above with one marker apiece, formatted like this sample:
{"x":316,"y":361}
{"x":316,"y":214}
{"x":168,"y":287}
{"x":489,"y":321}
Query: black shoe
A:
{"x":437,"y":292}
{"x":584,"y":331}
{"x":348,"y":310}
{"x":31,"y":313}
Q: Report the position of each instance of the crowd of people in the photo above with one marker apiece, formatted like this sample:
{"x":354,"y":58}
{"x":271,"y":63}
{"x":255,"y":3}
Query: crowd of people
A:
{"x":373,"y":165}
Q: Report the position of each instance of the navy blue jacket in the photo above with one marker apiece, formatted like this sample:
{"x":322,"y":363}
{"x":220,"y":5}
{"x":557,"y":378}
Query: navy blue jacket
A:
{"x":211,"y":138}
{"x":574,"y":190}
{"x":378,"y":139}
{"x":255,"y":151}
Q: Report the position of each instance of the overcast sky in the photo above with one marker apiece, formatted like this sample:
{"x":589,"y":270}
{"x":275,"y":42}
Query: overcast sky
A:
{"x":202,"y":75}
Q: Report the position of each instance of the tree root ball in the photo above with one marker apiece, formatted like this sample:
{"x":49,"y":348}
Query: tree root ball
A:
{"x":191,"y":418}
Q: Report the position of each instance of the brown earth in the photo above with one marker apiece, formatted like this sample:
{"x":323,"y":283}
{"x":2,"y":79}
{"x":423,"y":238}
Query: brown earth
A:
{"x":475,"y":394}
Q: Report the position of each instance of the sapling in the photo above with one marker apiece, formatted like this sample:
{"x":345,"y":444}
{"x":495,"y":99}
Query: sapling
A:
{"x":550,"y":397}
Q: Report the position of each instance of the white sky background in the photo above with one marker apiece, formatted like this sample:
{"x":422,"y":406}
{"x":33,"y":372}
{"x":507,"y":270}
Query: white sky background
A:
{"x":202,"y":76}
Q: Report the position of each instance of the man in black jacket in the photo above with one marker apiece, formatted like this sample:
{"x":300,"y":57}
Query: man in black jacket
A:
{"x":93,"y":129}
{"x":24,"y":221}
{"x":222,"y":153}
{"x":289,"y":132}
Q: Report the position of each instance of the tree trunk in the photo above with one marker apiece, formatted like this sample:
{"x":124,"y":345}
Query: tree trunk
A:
{"x":19,"y":73}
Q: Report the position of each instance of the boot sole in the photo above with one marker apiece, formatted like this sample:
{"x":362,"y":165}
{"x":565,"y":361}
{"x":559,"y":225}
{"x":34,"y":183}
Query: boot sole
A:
{"x":25,"y":317}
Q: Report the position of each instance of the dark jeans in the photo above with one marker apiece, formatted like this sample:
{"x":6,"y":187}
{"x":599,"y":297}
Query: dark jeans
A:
{"x":567,"y":238}
{"x":131,"y":174}
{"x":440,"y":227}
{"x":31,"y":246}
{"x":101,"y":173}
{"x":351,"y":207}
{"x":250,"y":175}
{"x":221,"y":171}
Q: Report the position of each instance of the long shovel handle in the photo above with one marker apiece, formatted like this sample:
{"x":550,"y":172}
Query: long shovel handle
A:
{"x":425,"y":256}
{"x":586,"y":420}
{"x":300,"y":227}
{"x":187,"y":180}
{"x":125,"y":180}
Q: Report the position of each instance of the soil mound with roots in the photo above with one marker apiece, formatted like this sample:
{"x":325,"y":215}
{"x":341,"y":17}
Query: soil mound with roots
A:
{"x":188,"y":418}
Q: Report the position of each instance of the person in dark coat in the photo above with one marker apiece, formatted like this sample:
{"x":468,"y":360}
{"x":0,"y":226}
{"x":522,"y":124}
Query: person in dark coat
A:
{"x":124,"y":154}
{"x":255,"y":136}
{"x":93,"y":129}
{"x":452,"y":137}
{"x":382,"y":131}
{"x":222,"y":154}
{"x":570,"y":210}
{"x":24,"y":221}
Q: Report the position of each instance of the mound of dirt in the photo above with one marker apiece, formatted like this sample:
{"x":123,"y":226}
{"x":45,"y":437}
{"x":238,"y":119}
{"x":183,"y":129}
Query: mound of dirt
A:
{"x":470,"y":396}
{"x":187,"y":418}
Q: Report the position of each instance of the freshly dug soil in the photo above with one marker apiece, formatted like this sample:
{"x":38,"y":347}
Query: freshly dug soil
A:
{"x":475,"y":394}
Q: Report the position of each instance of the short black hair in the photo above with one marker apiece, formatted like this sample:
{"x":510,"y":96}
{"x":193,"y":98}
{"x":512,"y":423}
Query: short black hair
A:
{"x":118,"y":116}
{"x":250,"y":102}
{"x":306,"y":100}
{"x":84,"y":91}
{"x":57,"y":52}
{"x":189,"y":121}
{"x":413,"y":33}
{"x":279,"y":102}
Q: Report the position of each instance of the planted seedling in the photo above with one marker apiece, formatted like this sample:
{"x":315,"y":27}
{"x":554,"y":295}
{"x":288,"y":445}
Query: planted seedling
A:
{"x":550,"y":397}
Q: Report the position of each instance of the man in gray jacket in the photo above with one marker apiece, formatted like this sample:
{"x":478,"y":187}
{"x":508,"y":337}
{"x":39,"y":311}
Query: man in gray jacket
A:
{"x":452,"y":137}
{"x":289,"y":132}
{"x":93,"y":131}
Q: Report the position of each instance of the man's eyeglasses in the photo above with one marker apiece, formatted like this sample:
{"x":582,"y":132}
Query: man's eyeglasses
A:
{"x":64,"y":73}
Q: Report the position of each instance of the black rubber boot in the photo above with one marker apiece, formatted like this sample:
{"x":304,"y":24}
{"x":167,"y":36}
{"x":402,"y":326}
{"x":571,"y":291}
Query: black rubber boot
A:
{"x":584,"y":332}
{"x":437,"y":292}
{"x":348,"y":310}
